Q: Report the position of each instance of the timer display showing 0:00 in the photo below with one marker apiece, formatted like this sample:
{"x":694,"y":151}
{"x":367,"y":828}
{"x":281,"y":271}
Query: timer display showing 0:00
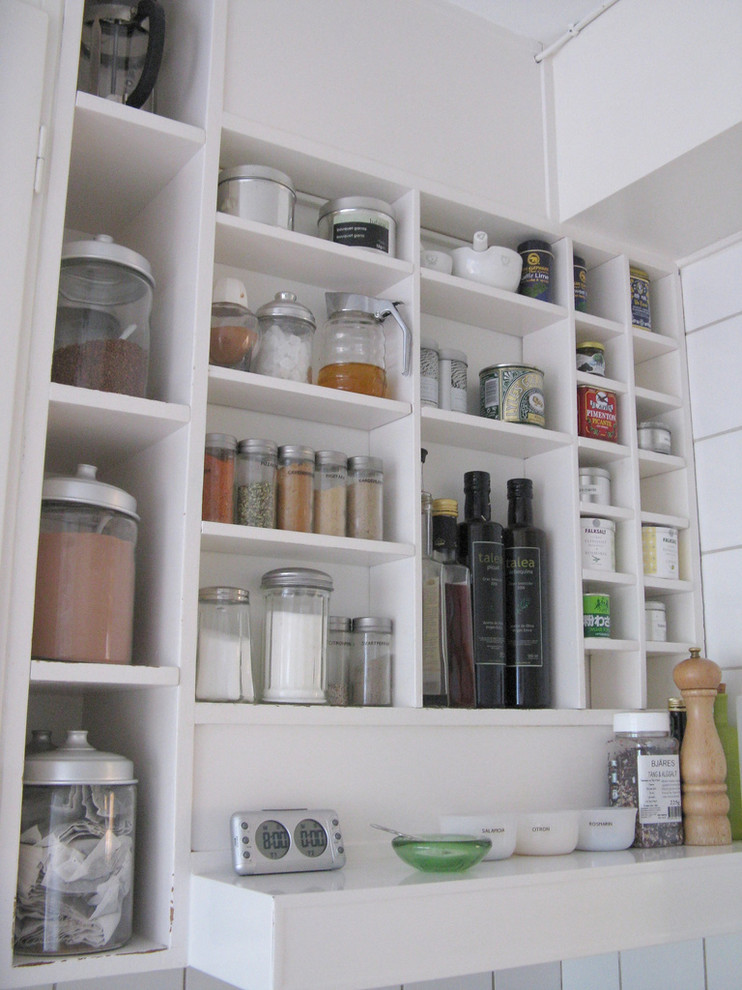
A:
{"x":273,"y":840}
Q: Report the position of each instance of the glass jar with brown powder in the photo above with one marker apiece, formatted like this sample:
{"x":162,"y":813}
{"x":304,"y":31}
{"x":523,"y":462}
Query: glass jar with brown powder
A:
{"x":295,"y":488}
{"x":218,"y":491}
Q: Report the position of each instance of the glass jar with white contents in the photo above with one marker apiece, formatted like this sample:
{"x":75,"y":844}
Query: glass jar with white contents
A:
{"x":371,"y":661}
{"x":365,"y":509}
{"x":224,"y":659}
{"x":297,"y":605}
{"x":286,"y":331}
{"x":330,"y":476}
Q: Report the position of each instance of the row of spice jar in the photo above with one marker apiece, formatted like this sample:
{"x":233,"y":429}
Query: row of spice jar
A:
{"x":596,"y":614}
{"x":660,"y":556}
{"x":257,"y":483}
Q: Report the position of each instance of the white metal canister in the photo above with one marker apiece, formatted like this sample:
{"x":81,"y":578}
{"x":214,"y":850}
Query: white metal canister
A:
{"x":595,"y":485}
{"x":655,"y":622}
{"x":598,"y":544}
{"x":660,"y":551}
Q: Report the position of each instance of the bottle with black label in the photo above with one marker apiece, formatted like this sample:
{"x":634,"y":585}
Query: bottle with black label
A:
{"x":435,"y":661}
{"x":457,"y":602}
{"x":481,"y":550}
{"x":526,"y":598}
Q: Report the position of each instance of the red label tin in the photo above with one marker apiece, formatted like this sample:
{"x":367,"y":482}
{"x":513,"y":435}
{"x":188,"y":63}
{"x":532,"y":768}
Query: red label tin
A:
{"x":597,"y":413}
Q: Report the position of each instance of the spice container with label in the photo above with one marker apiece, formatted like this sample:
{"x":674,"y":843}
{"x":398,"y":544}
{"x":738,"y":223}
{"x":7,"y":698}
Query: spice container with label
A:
{"x":429,"y":374}
{"x":655,"y":621}
{"x":598,"y":544}
{"x":295,"y":488}
{"x":76,"y":878}
{"x":646,"y":774}
{"x":360,"y":221}
{"x":660,"y":551}
{"x":597,"y":413}
{"x":654,"y":436}
{"x":535,"y":276}
{"x":371,"y":661}
{"x":223,"y":659}
{"x":255,"y":477}
{"x":580,"y":280}
{"x":217,"y":504}
{"x":453,"y":379}
{"x":339,"y":645}
{"x":596,"y":615}
{"x":330,"y":477}
{"x":234,"y":329}
{"x":641,"y":313}
{"x":591,"y":357}
{"x":286,"y":331}
{"x":297,"y":606}
{"x":595,"y":485}
{"x":512,"y":393}
{"x":365,"y":506}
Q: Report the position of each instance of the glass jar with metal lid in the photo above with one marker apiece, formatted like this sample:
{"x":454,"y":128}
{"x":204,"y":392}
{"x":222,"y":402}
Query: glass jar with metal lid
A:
{"x":255,"y":483}
{"x":102,"y":333}
{"x":365,"y":504}
{"x":285,"y":346}
{"x":257,"y":192}
{"x":76,"y":874}
{"x":339,"y":643}
{"x":361,"y":221}
{"x":371,"y":661}
{"x":330,"y":478}
{"x":297,"y":606}
{"x":217,"y":497}
{"x":591,"y":357}
{"x":224,"y":659}
{"x":295,"y":488}
{"x":85,"y":570}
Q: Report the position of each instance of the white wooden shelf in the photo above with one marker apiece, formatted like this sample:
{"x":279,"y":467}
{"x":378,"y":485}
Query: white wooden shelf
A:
{"x":652,"y":464}
{"x":592,"y":577}
{"x":665,"y":519}
{"x":589,"y":327}
{"x":650,"y":403}
{"x":617,"y":512}
{"x":598,"y":453}
{"x":108,"y":675}
{"x":600,"y":381}
{"x":479,"y":433}
{"x":139,"y":955}
{"x":648,"y":344}
{"x":419,"y":927}
{"x":597,"y":644}
{"x":668,"y":586}
{"x":668,"y":647}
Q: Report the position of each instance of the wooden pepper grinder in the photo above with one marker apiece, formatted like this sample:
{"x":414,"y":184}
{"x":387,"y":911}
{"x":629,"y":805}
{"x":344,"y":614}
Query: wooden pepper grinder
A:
{"x":703,"y":768}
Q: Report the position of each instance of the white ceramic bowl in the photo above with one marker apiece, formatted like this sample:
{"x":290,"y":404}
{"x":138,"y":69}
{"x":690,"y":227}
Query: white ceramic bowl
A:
{"x":601,"y":829}
{"x":546,"y":833}
{"x":498,"y":828}
{"x":439,"y":261}
{"x":496,"y":266}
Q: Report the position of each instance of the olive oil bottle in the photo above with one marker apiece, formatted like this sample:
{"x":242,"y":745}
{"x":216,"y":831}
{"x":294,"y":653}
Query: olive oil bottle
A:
{"x":526,"y":602}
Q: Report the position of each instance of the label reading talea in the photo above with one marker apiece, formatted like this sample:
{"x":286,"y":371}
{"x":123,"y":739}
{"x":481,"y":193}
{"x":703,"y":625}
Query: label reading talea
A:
{"x":523,"y":570}
{"x":659,"y":789}
{"x":488,"y":601}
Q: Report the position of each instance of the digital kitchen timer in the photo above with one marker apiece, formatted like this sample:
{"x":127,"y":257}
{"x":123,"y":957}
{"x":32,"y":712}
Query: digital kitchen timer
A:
{"x":286,"y":840}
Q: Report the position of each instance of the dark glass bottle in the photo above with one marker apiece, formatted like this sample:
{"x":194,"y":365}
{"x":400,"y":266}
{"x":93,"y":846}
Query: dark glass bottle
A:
{"x":527,"y":602}
{"x":481,"y":550}
{"x":457,"y":605}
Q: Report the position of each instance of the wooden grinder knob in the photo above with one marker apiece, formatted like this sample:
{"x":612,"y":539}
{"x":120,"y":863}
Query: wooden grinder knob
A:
{"x":703,"y":767}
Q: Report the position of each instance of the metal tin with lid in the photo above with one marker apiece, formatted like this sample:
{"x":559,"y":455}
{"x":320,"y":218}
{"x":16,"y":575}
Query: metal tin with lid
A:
{"x":512,"y":393}
{"x":655,"y":621}
{"x":76,"y":873}
{"x":598,"y":544}
{"x":595,"y":485}
{"x":361,"y":221}
{"x":257,"y":192}
{"x":654,"y":435}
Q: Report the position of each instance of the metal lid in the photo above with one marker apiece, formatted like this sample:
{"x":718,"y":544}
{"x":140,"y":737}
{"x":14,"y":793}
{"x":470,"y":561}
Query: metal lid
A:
{"x":599,"y":523}
{"x":222,"y":440}
{"x":534,"y":246}
{"x":654,"y":606}
{"x":372,"y":623}
{"x":365,"y":464}
{"x":591,"y":343}
{"x":447,"y":354}
{"x":284,"y":304}
{"x":254,"y":446}
{"x":445,"y":507}
{"x":338,"y":623}
{"x":77,"y":762}
{"x":356,"y":203}
{"x":638,"y":722}
{"x":591,"y":471}
{"x":677,"y":704}
{"x":104,"y":248}
{"x":294,"y":451}
{"x":230,"y":596}
{"x":84,"y":489}
{"x":654,"y":424}
{"x":520,"y":367}
{"x":334,"y":458}
{"x":256,"y":172}
{"x":297,"y":577}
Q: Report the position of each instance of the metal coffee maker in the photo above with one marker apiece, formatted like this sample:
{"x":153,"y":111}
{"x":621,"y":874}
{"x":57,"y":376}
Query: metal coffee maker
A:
{"x":121,"y":51}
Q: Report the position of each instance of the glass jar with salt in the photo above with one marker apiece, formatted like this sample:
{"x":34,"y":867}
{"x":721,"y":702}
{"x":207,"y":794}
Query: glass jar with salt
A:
{"x":330,"y":476}
{"x":224,"y":661}
{"x":286,"y":331}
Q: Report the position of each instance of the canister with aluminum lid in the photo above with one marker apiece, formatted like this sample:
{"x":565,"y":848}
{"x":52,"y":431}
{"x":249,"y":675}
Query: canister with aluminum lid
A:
{"x":84,"y":603}
{"x":286,"y":331}
{"x":654,"y":435}
{"x":257,"y":192}
{"x":76,"y":866}
{"x":361,"y":221}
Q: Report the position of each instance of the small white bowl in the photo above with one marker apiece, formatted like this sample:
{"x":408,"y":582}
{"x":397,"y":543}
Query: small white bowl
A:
{"x":602,"y":829}
{"x":547,"y":833}
{"x":438,"y":261}
{"x":499,"y":267}
{"x":498,"y":828}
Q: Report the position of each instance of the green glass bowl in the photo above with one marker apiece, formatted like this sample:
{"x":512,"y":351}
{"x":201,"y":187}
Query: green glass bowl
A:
{"x":441,"y":853}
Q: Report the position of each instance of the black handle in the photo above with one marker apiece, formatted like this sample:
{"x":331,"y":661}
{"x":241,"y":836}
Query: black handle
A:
{"x":152,"y":60}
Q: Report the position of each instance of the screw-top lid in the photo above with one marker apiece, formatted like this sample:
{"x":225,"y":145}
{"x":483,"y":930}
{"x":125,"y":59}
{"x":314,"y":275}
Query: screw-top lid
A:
{"x":229,"y":290}
{"x":338,"y":623}
{"x":653,"y":424}
{"x":296,"y":577}
{"x":591,"y":343}
{"x":104,"y":248}
{"x":638,"y":722}
{"x":284,"y":304}
{"x":534,"y":246}
{"x":578,"y":261}
{"x":331,"y":458}
{"x":84,"y":489}
{"x":221,"y":441}
{"x":225,"y":595}
{"x":255,"y":446}
{"x":256,"y":172}
{"x":446,"y":507}
{"x":676,"y":704}
{"x":479,"y":480}
{"x":359,"y":463}
{"x":295,"y":452}
{"x":520,"y":488}
{"x":600,"y":472}
{"x":77,"y":762}
{"x":372,"y":623}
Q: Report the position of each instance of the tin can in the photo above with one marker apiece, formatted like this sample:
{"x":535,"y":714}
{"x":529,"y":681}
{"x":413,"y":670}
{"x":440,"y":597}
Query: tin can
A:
{"x":641,"y":314}
{"x":591,"y":357}
{"x":361,"y":221}
{"x":595,"y":485}
{"x":580,"y":279}
{"x":597,"y":413}
{"x":429,"y":373}
{"x":535,"y":278}
{"x":654,"y":436}
{"x":512,"y":393}
{"x":596,"y":613}
{"x":655,"y":621}
{"x":660,"y":551}
{"x":598,"y":544}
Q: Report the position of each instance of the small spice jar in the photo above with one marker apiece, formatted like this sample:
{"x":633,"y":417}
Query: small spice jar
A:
{"x":646,"y":776}
{"x":330,"y":477}
{"x":595,"y":485}
{"x":598,"y":544}
{"x":218,"y":492}
{"x":286,"y":331}
{"x":365,"y":519}
{"x":297,"y":606}
{"x":591,"y":357}
{"x":234,"y":329}
{"x":654,"y":435}
{"x":580,"y":279}
{"x":535,"y":278}
{"x":256,"y":483}
{"x":641,"y":313}
{"x":453,"y":366}
{"x":429,"y":373}
{"x":371,"y":663}
{"x":339,"y":644}
{"x":655,"y":621}
{"x":224,"y":660}
{"x":295,"y":488}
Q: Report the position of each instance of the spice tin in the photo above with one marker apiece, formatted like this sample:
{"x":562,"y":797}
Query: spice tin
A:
{"x":580,"y":279}
{"x":596,"y":612}
{"x":597,"y":413}
{"x":654,"y":436}
{"x":453,"y":380}
{"x":641,"y":315}
{"x":361,"y":221}
{"x":595,"y":485}
{"x":256,"y":192}
{"x":655,"y":622}
{"x":512,"y":393}
{"x":535,"y":277}
{"x":429,"y":372}
{"x":598,"y":544}
{"x":660,"y":551}
{"x":591,"y":357}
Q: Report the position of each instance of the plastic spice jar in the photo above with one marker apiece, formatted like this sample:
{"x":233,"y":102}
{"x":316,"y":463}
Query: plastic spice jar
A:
{"x":339,"y":643}
{"x":644,"y":773}
{"x":295,"y":488}
{"x":453,"y":367}
{"x":429,"y":387}
{"x":218,"y":492}
{"x":224,"y":660}
{"x":365,"y":498}
{"x":76,"y":876}
{"x":297,"y":606}
{"x":286,"y":330}
{"x":330,"y":477}
{"x":255,"y":483}
{"x":234,"y":329}
{"x":371,"y":661}
{"x":535,"y":278}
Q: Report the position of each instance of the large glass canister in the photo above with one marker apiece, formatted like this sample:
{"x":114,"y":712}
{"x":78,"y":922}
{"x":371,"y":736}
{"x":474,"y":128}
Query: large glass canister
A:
{"x":84,"y":603}
{"x":101,"y":340}
{"x":286,"y":332}
{"x":76,"y":862}
{"x":297,"y":606}
{"x":224,"y":660}
{"x":255,"y":483}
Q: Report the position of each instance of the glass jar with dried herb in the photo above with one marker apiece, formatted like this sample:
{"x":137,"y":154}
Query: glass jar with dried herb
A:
{"x":256,"y":483}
